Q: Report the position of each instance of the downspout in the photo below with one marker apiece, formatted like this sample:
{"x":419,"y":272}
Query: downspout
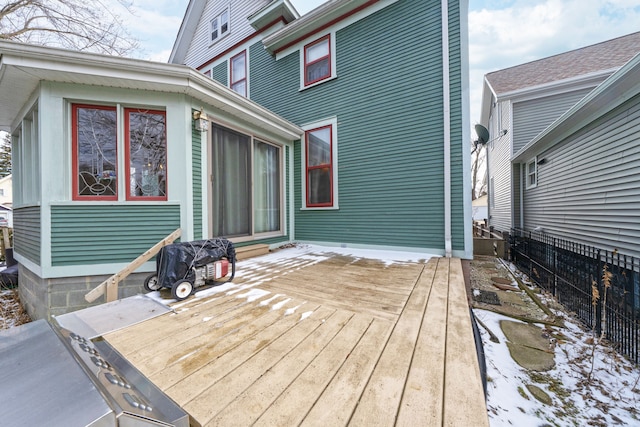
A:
{"x":446,"y":98}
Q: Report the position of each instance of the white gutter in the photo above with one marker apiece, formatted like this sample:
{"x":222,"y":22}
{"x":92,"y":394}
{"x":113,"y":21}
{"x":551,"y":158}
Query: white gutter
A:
{"x":446,"y":97}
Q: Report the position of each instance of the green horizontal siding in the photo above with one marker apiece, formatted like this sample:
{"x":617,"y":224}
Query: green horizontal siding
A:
{"x":219,"y":73}
{"x":196,"y":166}
{"x":27,"y":237}
{"x":457,"y":143}
{"x":389,"y":103}
{"x":84,"y":235}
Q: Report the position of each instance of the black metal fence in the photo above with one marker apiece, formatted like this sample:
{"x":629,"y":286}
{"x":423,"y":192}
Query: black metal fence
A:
{"x":575,"y":273}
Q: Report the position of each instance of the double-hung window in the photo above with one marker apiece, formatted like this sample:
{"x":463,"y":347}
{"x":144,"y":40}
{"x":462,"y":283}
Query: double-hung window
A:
{"x":317,"y":61}
{"x":238,"y":72}
{"x":96,"y":175}
{"x":532,"y":173}
{"x":320,"y":165}
{"x":220,"y":25}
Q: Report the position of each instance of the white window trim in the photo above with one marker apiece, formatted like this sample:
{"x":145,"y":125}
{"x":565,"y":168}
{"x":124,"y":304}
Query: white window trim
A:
{"x":533,"y":161}
{"x":333,"y":121}
{"x":332,"y":56}
{"x":218,"y":20}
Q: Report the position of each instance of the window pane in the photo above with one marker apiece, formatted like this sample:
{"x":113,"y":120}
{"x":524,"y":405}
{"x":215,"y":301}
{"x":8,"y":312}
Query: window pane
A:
{"x":317,"y":51}
{"x":319,"y":186}
{"x":318,"y":70}
{"x":96,"y":150}
{"x":238,"y":70}
{"x":241,"y":87}
{"x":319,"y":147}
{"x":224,"y":22}
{"x":147,"y":154}
{"x":266,"y":176}
{"x":214,"y":29}
{"x":231,"y":198}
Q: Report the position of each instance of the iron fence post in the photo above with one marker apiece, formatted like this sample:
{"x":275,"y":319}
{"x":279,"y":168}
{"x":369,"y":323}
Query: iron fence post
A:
{"x":555,"y":266}
{"x":598,"y":319}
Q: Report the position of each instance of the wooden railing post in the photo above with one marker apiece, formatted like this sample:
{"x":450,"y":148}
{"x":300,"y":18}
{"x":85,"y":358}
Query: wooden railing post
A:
{"x":110,"y":286}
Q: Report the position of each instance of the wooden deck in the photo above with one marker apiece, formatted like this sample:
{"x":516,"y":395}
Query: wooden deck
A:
{"x":320,"y":341}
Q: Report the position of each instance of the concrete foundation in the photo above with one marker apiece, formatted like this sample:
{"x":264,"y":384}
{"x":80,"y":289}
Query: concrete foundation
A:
{"x":489,"y":247}
{"x":44,"y":298}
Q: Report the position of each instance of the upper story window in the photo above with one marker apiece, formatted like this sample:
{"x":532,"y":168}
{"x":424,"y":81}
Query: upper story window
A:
{"x":220,"y":25}
{"x":146,"y":154}
{"x":238,"y":73}
{"x":320,"y":165}
{"x":532,"y":173}
{"x":318,"y":61}
{"x":95,"y":148}
{"x":96,"y":175}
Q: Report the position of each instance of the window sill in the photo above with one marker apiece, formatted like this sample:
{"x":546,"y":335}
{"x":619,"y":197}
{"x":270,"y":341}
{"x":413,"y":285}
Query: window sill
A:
{"x":318,"y":83}
{"x":328,"y":208}
{"x":222,"y":37}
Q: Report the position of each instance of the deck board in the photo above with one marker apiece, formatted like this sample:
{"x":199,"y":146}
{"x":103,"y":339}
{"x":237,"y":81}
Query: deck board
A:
{"x":324,"y":339}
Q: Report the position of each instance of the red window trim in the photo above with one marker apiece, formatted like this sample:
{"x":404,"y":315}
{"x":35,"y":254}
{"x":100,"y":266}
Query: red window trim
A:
{"x":231,"y":81}
{"x":322,"y":166}
{"x":306,"y":64}
{"x":74,"y":155}
{"x":127,"y":156}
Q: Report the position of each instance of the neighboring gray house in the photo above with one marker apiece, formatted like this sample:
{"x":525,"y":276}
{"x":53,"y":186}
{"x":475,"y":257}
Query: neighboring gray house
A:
{"x":520,"y":102}
{"x":585,"y":186}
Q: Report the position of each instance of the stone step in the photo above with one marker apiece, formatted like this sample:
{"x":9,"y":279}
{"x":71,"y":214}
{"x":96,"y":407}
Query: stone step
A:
{"x":244,"y":252}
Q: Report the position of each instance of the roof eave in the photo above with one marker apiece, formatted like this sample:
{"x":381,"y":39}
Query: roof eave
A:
{"x":274,"y":11}
{"x":38,"y":64}
{"x":186,"y":31}
{"x":312,"y":22}
{"x":614,"y":91}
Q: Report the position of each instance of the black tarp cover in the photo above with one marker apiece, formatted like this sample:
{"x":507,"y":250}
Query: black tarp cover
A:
{"x":176,"y":261}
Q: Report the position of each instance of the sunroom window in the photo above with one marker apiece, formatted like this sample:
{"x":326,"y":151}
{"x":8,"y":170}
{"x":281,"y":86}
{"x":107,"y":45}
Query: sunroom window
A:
{"x":146,"y":154}
{"x":239,"y":73}
{"x":96,"y":175}
{"x":317,"y":61}
{"x":95,"y":152}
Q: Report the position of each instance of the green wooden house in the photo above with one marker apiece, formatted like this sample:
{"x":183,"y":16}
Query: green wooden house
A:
{"x":381,"y":90}
{"x":347,"y":126}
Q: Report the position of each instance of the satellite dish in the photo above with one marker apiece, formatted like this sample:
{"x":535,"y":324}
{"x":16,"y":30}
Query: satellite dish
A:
{"x":483,"y":134}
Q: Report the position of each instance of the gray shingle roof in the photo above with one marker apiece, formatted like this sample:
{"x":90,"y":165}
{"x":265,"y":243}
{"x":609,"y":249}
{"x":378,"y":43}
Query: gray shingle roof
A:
{"x":607,"y":55}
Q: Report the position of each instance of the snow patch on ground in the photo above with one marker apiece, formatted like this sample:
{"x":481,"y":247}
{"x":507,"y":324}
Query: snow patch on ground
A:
{"x":608,"y":397}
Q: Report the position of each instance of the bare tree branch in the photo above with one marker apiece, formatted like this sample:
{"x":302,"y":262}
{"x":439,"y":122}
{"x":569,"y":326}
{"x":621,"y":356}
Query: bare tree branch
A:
{"x":73,"y":24}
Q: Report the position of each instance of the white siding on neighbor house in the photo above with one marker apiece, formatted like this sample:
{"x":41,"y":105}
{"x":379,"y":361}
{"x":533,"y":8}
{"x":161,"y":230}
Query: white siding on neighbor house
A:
{"x":589,"y":186}
{"x":499,"y":153}
{"x":202,"y":49}
{"x":533,"y":116}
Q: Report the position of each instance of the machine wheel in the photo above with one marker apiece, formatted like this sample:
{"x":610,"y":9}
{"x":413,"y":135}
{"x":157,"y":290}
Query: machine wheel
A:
{"x":151,"y":283}
{"x":181,"y":289}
